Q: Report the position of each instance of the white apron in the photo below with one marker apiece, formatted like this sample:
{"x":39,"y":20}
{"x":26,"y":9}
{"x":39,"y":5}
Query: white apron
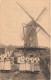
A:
{"x":27,"y":64}
{"x":22,"y":64}
{"x":7,"y":64}
{"x":2,"y":64}
{"x":32,"y":65}
{"x":37,"y":67}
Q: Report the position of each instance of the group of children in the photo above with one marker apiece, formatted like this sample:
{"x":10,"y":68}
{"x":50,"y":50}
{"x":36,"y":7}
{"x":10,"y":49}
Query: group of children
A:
{"x":5,"y":62}
{"x":28,"y":64}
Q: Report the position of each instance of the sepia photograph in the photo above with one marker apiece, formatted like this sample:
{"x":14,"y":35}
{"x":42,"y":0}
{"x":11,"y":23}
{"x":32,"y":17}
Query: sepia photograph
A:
{"x":25,"y":40}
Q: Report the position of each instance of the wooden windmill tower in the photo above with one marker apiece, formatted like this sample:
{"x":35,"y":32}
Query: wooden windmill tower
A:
{"x":30,"y":36}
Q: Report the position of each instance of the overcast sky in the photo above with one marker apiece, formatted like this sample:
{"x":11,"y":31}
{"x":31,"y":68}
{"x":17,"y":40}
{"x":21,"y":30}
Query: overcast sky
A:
{"x":12,"y":17}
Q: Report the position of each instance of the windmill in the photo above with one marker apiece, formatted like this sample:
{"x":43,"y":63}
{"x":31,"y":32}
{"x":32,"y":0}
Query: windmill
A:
{"x":30,"y":37}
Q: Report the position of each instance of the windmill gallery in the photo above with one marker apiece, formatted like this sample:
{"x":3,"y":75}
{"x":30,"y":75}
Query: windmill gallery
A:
{"x":31,"y":57}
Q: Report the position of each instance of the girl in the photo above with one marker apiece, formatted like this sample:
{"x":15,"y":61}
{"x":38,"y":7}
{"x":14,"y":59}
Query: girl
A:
{"x":22,"y":64}
{"x":7,"y":64}
{"x":2,"y":62}
{"x":28,"y":64}
{"x":32,"y":64}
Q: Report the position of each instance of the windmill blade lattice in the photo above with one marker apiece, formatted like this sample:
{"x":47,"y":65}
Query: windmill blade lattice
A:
{"x":35,"y":23}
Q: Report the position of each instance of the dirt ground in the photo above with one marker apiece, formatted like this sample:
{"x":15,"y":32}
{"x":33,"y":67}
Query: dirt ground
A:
{"x":16,"y":75}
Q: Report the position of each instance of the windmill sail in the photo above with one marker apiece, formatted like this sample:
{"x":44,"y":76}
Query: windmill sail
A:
{"x":40,"y":13}
{"x":31,"y":39}
{"x":36,"y":24}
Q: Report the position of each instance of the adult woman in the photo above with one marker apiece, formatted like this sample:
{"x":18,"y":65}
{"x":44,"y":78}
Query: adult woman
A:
{"x":32,"y":64}
{"x":27,"y":64}
{"x":22,"y":64}
{"x":37,"y":67}
{"x":2,"y":62}
{"x":7,"y":64}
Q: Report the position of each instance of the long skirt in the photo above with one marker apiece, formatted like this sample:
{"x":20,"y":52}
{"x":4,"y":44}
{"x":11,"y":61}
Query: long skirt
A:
{"x":28,"y":67}
{"x":32,"y":67}
{"x":22,"y":67}
{"x":7,"y":65}
{"x":2,"y":65}
{"x":37,"y":67}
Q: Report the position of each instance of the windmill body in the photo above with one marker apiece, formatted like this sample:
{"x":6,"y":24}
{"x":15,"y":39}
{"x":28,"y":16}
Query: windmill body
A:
{"x":31,"y":39}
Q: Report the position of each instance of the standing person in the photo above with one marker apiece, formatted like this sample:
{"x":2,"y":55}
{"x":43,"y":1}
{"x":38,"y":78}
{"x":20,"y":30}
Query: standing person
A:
{"x":28,"y":64}
{"x":32,"y":64}
{"x":22,"y":64}
{"x":2,"y":62}
{"x":7,"y":64}
{"x":37,"y":67}
{"x":35,"y":64}
{"x":18,"y":60}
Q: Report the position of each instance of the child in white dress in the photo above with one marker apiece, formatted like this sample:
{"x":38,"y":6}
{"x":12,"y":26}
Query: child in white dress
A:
{"x":28,"y":64}
{"x":32,"y":64}
{"x":2,"y":62}
{"x":7,"y":64}
{"x":22,"y":64}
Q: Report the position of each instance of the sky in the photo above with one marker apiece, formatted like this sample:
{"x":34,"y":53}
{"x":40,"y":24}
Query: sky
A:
{"x":12,"y":17}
